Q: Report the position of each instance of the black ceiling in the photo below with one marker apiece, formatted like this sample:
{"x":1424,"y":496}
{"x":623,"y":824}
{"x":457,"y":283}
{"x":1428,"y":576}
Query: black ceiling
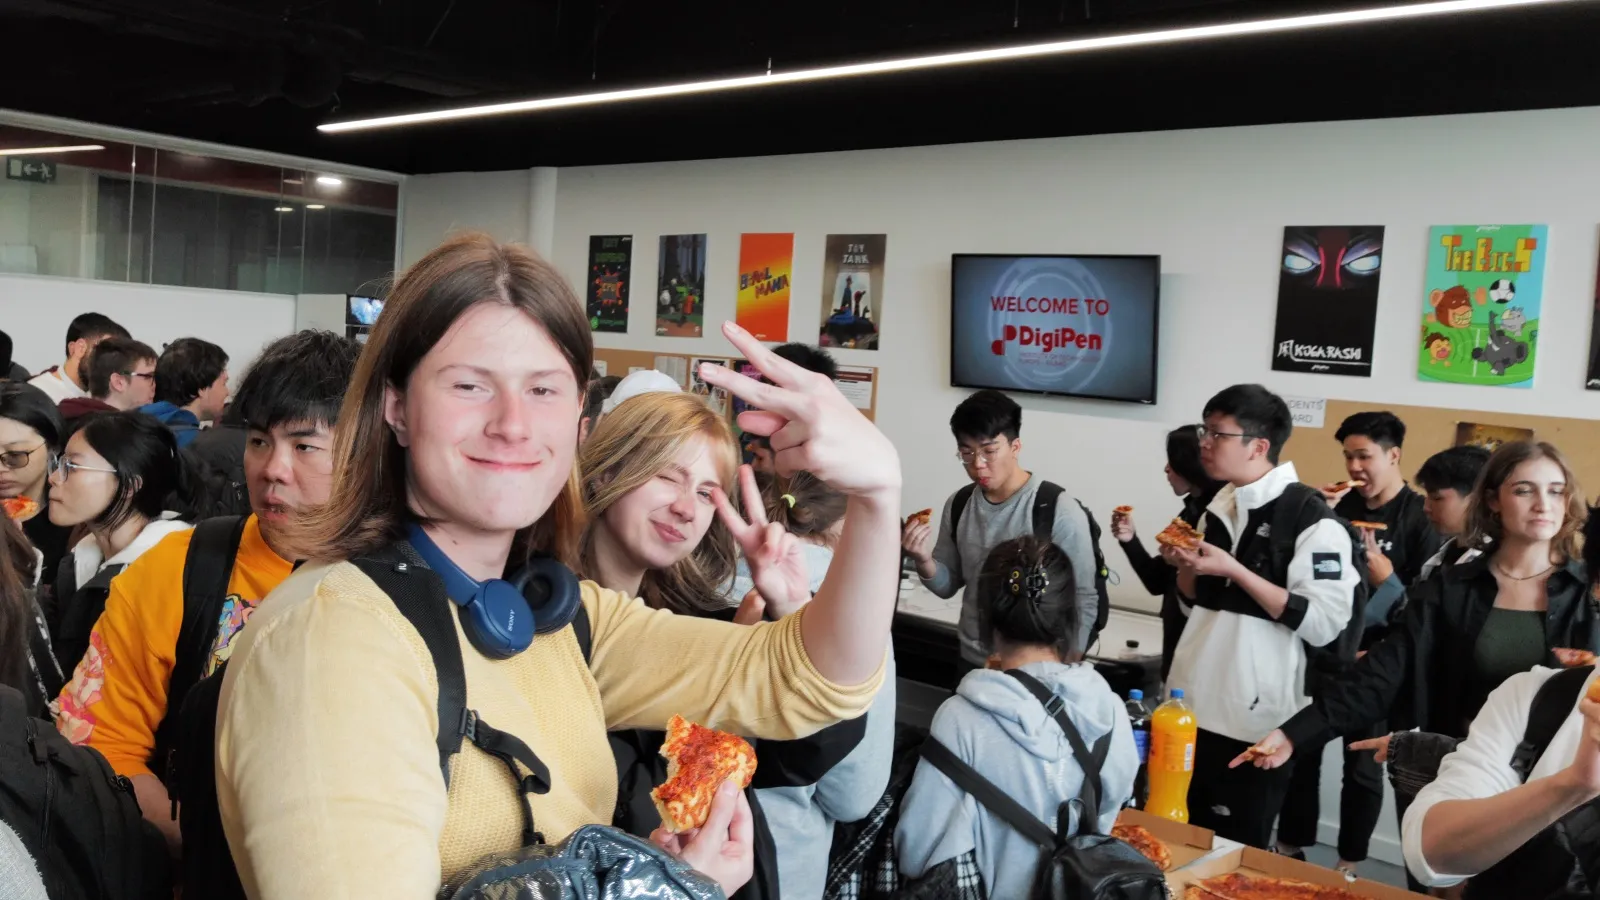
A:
{"x":261,"y":74}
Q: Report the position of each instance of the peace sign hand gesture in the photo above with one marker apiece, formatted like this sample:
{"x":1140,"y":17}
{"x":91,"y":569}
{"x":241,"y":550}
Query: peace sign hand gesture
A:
{"x":777,"y":561}
{"x":811,"y":426}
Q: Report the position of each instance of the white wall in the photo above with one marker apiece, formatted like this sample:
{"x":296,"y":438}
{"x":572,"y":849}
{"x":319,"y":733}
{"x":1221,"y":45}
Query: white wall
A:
{"x":36,"y":311}
{"x":437,"y":205}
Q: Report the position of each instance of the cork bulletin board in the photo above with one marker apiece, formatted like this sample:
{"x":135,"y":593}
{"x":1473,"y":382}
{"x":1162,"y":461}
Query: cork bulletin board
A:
{"x":860,"y":383}
{"x":1318,"y":458}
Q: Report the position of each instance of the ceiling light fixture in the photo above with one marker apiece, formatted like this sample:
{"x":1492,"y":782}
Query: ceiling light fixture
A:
{"x":329,"y":180}
{"x":967,"y":57}
{"x":315,"y":206}
{"x":76,"y":148}
{"x":283,"y":209}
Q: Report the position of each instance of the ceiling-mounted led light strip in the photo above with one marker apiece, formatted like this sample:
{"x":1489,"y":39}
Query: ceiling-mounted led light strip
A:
{"x":36,"y":151}
{"x":967,"y":57}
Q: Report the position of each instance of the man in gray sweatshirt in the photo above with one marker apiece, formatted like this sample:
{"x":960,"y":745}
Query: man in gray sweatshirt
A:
{"x":1000,"y":506}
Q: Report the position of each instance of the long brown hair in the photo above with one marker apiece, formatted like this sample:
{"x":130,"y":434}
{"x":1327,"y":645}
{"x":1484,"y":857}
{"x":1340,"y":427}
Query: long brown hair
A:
{"x":17,"y":562}
{"x":633,"y":444}
{"x":803,"y":504}
{"x":1483,"y":523}
{"x":367,"y":506}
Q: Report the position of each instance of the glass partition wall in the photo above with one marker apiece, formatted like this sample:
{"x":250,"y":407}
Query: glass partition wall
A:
{"x":82,"y":207}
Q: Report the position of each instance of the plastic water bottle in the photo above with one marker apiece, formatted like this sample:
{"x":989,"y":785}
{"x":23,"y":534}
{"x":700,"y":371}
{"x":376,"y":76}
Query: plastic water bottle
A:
{"x":1139,"y":718}
{"x":1173,"y":731}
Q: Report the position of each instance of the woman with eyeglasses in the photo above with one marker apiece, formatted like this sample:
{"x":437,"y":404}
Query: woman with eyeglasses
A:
{"x":30,"y":436}
{"x":1188,"y":480}
{"x":120,"y":477}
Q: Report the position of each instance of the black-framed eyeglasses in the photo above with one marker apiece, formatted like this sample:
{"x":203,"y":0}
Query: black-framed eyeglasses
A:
{"x":18,"y":459}
{"x":64,"y":467}
{"x":1206,"y":435}
{"x":149,"y":375}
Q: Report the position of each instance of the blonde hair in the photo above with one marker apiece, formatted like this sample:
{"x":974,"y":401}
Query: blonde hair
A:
{"x":634,"y":443}
{"x":367,"y":506}
{"x":1483,"y":523}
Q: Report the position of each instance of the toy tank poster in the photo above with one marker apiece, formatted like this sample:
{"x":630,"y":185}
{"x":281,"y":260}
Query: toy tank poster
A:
{"x":1481,"y":305}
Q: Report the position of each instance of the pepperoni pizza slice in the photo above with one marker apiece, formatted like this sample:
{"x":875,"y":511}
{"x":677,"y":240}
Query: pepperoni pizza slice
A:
{"x":699,"y":759}
{"x":20,"y":509}
{"x":1179,"y":534}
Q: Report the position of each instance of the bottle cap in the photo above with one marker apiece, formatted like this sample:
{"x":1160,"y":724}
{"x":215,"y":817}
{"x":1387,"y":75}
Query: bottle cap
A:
{"x":1136,"y":694}
{"x":1177,"y":693}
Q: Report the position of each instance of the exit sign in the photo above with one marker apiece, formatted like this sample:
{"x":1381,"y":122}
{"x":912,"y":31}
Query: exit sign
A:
{"x":37,"y":171}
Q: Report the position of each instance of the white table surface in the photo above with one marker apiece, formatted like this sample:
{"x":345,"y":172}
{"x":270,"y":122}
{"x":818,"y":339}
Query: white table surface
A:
{"x":1121,"y":625}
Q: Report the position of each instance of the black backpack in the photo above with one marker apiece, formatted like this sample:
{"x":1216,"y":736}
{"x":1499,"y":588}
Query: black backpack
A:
{"x":208,"y":868}
{"x":78,"y":820}
{"x":1044,"y":524}
{"x":79,"y":609}
{"x":1287,"y":515}
{"x":1082,"y":866}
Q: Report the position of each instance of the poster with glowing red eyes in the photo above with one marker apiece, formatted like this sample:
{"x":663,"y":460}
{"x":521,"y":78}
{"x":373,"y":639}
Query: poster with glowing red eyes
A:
{"x":1328,"y":299}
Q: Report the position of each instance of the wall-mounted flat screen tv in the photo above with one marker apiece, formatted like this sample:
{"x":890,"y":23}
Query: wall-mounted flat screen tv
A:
{"x":1071,"y":326}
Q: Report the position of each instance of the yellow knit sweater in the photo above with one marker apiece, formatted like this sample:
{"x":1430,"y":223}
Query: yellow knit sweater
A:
{"x":327,"y":771}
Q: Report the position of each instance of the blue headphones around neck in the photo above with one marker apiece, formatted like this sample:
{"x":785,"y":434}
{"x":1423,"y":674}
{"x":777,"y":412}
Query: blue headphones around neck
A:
{"x":500,"y":618}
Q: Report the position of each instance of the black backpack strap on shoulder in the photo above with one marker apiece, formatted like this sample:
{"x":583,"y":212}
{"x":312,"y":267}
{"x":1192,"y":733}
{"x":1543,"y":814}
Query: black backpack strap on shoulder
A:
{"x":1044,"y":509}
{"x":207,"y":569}
{"x":419,"y":595}
{"x":1092,"y":762}
{"x":987,"y":795}
{"x":584,"y":632}
{"x":958,"y":505}
{"x":1286,"y":515}
{"x":1551,"y":707}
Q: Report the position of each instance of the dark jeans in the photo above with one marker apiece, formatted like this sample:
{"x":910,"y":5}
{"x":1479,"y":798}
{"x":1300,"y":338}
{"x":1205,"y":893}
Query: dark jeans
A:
{"x":1360,"y":798}
{"x":1238,"y":804}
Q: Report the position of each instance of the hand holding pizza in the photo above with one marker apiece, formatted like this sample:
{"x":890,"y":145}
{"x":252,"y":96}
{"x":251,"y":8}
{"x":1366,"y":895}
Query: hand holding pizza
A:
{"x":811,"y":426}
{"x":777,"y":561}
{"x":1204,"y":559}
{"x":1585,"y":769}
{"x":1379,"y":566}
{"x":724,"y":848}
{"x":1122,"y":524}
{"x":1273,"y":751}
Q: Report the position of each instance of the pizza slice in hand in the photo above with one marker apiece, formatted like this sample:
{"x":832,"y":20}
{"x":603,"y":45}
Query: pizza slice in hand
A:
{"x":1572,"y":659}
{"x":699,"y":759}
{"x":20,"y":509}
{"x":1179,"y":534}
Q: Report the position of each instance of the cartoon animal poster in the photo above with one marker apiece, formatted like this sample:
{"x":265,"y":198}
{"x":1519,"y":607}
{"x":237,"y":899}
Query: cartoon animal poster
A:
{"x":1481,"y":304}
{"x":681,"y":286}
{"x":610,"y":258}
{"x":852,"y":290}
{"x":765,"y":264}
{"x":1328,"y":299}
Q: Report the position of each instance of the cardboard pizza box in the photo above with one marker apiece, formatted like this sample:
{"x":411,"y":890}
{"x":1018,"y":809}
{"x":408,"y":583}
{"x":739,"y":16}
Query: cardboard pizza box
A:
{"x":1186,"y":843}
{"x":1252,"y":861}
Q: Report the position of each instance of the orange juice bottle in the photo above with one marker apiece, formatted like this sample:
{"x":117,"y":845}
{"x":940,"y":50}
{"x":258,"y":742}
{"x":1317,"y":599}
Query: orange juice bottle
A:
{"x":1172,"y":736}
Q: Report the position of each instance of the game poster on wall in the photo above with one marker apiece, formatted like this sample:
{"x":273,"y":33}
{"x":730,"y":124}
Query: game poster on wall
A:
{"x":1480,"y":312}
{"x":852,"y":290}
{"x":681,"y":286}
{"x":610,"y":258}
{"x":1328,"y":299}
{"x":765,"y":264}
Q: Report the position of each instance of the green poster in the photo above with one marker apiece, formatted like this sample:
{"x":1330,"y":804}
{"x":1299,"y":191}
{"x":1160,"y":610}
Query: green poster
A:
{"x":1480,"y":310}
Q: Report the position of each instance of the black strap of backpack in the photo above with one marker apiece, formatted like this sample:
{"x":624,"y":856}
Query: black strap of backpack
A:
{"x":419,"y":595}
{"x":1551,"y":707}
{"x":991,"y":797}
{"x":1044,"y":509}
{"x":1092,"y":763}
{"x":584,"y":632}
{"x":207,"y":569}
{"x":1286,"y":514}
{"x":958,"y":505}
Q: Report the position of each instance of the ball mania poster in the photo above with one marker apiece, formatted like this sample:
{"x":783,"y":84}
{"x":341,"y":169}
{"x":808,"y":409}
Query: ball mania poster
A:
{"x":610,"y":258}
{"x":852,"y":290}
{"x":1481,"y":305}
{"x":765,"y":264}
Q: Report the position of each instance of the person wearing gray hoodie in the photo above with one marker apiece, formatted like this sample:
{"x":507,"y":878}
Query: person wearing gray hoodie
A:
{"x":1027,"y":595}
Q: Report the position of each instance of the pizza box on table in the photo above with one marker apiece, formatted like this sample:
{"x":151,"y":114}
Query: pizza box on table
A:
{"x":1251,"y":861}
{"x":1186,"y":843}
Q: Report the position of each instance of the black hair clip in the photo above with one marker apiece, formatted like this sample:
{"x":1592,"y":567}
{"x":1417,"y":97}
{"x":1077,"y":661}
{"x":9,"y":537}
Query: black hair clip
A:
{"x":1031,"y":583}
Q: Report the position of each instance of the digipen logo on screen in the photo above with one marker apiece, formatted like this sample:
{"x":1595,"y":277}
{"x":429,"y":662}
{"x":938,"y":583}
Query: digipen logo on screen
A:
{"x":1046,"y":339}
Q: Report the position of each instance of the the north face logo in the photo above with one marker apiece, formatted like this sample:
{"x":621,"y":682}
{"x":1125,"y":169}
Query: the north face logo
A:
{"x":1265,"y":531}
{"x":1328,"y":566}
